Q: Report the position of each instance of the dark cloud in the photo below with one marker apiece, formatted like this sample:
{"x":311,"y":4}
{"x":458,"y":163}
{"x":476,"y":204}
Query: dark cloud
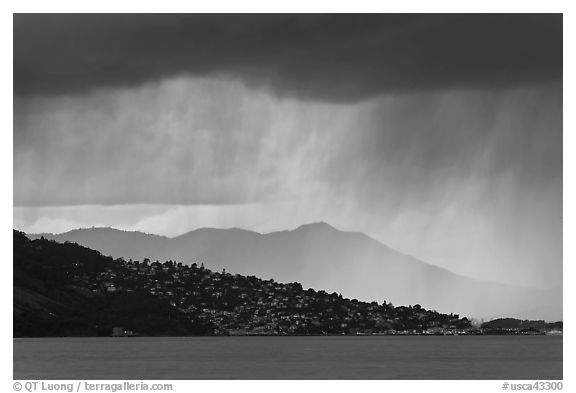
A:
{"x":327,"y":57}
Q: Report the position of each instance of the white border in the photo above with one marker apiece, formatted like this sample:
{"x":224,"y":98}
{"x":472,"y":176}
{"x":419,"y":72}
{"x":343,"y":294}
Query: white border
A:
{"x":295,"y":6}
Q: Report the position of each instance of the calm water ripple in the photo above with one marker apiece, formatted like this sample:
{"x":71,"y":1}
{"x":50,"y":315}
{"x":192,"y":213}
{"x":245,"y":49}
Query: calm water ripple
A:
{"x":329,"y":357}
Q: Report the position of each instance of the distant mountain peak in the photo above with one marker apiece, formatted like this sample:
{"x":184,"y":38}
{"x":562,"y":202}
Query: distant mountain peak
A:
{"x":209,"y":230}
{"x":321,"y":225}
{"x":102,"y":230}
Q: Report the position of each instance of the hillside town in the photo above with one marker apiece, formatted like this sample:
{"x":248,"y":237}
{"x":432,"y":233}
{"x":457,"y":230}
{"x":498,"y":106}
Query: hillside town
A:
{"x":126,"y":298}
{"x":240,"y":305}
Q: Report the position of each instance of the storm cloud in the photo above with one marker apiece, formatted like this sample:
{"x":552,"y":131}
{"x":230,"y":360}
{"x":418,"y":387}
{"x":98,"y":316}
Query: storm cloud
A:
{"x":439,"y":135}
{"x":322,"y":57}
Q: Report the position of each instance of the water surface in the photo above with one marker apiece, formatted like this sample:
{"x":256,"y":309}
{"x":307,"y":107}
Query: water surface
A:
{"x":327,"y":357}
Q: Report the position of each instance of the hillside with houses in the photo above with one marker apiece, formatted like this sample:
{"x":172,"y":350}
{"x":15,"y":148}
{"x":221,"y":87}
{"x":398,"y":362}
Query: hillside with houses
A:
{"x":67,"y":290}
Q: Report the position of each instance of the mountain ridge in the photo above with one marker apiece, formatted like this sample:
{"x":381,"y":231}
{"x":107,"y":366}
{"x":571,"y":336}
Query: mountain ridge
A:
{"x":70,"y":290}
{"x":319,"y":255}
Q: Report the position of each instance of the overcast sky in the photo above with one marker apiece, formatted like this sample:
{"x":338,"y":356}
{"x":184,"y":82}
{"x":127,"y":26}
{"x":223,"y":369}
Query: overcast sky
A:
{"x":440,"y":136}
